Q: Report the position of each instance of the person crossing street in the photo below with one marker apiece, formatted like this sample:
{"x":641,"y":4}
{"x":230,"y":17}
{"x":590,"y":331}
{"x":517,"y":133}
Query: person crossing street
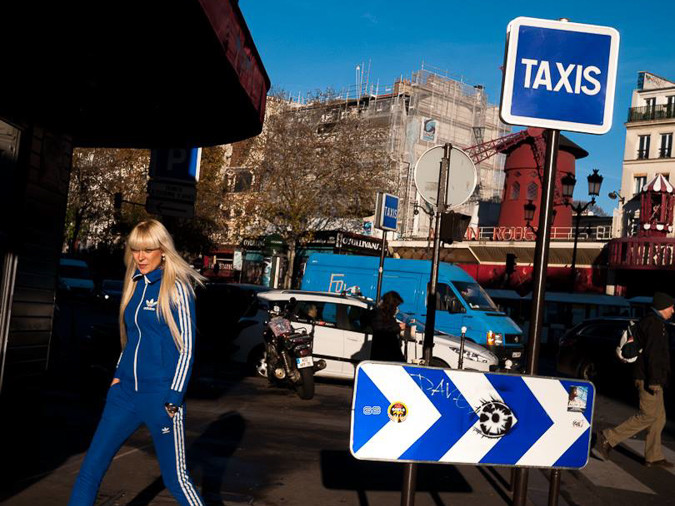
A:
{"x":651,"y":372}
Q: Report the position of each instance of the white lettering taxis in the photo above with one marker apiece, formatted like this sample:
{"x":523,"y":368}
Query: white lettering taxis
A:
{"x":556,"y":77}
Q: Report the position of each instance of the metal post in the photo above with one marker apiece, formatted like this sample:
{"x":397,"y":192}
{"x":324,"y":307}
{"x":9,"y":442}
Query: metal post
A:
{"x":460,"y":361}
{"x":573,"y":267}
{"x":380,"y":272}
{"x":430,"y":323}
{"x":554,"y":488}
{"x":410,"y":470}
{"x":409,"y":485}
{"x":540,"y":262}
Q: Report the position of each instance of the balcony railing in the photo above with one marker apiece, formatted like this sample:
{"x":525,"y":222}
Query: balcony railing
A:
{"x":642,"y":253}
{"x":651,"y":112}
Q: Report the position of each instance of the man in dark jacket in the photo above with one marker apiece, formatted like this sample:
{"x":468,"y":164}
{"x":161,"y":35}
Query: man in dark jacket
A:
{"x":651,"y":372}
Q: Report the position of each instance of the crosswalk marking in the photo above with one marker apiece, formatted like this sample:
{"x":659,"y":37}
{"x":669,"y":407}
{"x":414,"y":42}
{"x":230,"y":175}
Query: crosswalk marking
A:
{"x":637,"y":446}
{"x":610,"y":475}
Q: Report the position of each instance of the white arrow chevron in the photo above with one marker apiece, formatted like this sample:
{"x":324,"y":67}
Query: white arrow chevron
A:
{"x":567,"y":426}
{"x":477,"y":390}
{"x":395,"y":438}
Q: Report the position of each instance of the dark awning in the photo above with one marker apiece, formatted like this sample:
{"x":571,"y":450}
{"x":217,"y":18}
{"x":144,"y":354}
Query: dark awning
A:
{"x":144,"y":73}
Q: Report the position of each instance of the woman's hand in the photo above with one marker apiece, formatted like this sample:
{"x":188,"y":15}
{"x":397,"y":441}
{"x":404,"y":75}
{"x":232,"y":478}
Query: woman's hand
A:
{"x":115,"y":381}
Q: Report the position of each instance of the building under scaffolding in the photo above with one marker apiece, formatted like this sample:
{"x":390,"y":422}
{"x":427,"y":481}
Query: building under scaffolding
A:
{"x":415,"y":114}
{"x":428,"y":109}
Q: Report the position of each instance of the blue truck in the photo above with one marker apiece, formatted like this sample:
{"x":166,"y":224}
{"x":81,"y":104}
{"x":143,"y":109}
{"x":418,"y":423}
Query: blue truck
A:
{"x":461,"y":302}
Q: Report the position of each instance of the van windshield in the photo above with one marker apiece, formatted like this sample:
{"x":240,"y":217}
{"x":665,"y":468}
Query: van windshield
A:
{"x":474,"y":295}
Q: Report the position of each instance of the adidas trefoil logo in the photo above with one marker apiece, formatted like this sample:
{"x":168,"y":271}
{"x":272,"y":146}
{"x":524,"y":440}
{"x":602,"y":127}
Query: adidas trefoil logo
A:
{"x":166,"y":430}
{"x":150,"y":305}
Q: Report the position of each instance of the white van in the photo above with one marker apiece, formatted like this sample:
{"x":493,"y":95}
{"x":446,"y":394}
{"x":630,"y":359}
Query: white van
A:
{"x":341,"y":336}
{"x":74,"y":277}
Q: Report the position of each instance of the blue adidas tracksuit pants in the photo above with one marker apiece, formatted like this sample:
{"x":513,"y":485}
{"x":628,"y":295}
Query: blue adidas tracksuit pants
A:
{"x":124,"y":412}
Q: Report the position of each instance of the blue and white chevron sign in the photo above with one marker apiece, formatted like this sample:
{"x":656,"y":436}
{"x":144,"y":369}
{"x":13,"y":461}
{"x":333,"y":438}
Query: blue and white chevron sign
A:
{"x":403,"y":413}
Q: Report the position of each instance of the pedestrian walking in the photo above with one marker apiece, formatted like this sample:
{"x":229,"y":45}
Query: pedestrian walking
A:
{"x":157,"y":329}
{"x":651,"y":372}
{"x":386,"y":330}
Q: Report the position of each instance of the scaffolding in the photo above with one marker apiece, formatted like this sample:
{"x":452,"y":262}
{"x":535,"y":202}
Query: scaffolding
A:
{"x":432,"y":107}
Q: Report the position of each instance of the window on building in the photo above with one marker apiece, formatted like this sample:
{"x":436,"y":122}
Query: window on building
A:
{"x":670,"y":105}
{"x":643,"y":149}
{"x":638,"y":183}
{"x":650,"y":103}
{"x":666,"y":145}
{"x":242,"y":181}
{"x":515,"y":191}
{"x":666,"y":175}
{"x":532,"y":191}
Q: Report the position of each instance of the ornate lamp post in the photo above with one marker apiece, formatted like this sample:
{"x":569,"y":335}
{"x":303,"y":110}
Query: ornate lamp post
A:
{"x":529,"y":210}
{"x":594,"y":184}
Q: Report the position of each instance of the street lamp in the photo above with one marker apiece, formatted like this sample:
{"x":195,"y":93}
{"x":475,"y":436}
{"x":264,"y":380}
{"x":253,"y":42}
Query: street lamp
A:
{"x":594,"y":184}
{"x":529,"y":209}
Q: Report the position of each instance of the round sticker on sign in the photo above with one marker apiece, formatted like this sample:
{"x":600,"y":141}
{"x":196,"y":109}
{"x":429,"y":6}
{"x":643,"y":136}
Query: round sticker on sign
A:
{"x":397,"y":412}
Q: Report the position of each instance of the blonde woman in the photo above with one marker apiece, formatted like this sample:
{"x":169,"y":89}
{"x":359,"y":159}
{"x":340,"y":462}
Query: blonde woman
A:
{"x":157,"y":332}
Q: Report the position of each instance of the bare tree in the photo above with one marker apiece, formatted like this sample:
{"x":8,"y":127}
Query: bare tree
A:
{"x":97,"y":174}
{"x":318,"y":168}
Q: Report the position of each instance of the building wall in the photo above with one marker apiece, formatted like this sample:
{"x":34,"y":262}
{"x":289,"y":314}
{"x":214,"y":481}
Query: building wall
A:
{"x":639,"y":171}
{"x":31,"y":250}
{"x":523,"y":183}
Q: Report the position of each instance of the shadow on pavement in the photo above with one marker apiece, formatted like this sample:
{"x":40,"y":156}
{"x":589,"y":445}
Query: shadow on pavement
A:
{"x":341,"y":471}
{"x":207,"y":460}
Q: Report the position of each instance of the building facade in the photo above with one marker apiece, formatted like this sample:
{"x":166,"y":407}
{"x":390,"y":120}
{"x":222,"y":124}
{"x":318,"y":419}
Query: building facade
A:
{"x":650,"y":126}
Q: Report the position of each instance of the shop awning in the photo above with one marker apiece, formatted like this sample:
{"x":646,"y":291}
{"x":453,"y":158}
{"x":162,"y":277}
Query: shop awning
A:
{"x":133,"y":73}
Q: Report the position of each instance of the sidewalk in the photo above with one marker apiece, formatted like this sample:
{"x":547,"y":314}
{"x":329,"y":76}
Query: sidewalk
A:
{"x":246,"y":444}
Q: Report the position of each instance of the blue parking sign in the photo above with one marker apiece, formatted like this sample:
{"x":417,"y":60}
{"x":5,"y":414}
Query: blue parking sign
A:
{"x":560,"y":75}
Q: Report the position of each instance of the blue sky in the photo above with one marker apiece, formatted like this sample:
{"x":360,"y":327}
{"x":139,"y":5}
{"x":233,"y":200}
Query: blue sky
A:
{"x":309,"y":45}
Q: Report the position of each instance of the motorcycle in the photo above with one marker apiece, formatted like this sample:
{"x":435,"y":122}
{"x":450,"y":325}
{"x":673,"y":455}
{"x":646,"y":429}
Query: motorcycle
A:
{"x":289,"y":354}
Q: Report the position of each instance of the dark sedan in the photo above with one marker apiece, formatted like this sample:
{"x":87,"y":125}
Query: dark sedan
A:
{"x":588,"y":351}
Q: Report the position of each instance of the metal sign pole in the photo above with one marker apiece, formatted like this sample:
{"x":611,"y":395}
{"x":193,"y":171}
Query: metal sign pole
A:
{"x":410,"y":470}
{"x":430,"y":323}
{"x":540,"y":262}
{"x":380,"y":272}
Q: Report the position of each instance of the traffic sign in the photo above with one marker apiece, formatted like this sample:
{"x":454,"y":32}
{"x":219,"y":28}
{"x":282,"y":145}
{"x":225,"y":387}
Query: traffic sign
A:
{"x":170,"y":208}
{"x":461,"y":180}
{"x":406,"y":413}
{"x":387,"y":211}
{"x":178,"y":164}
{"x":559,"y":75}
{"x":166,"y":190}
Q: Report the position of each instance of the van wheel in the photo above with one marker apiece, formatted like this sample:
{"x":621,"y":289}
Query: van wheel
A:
{"x":437,"y":362}
{"x":587,"y":370}
{"x":257,"y":361}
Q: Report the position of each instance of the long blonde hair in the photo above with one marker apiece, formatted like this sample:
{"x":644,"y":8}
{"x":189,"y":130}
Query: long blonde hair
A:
{"x":151,"y":234}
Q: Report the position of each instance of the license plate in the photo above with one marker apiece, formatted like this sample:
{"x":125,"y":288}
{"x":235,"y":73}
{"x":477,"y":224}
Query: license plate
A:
{"x":516,"y":354}
{"x":304,"y":362}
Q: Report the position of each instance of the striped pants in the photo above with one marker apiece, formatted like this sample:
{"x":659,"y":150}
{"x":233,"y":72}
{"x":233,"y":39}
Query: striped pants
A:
{"x":124,"y":412}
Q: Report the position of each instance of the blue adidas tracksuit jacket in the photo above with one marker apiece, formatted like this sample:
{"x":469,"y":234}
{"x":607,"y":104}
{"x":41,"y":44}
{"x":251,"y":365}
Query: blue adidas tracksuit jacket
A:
{"x":152,"y":371}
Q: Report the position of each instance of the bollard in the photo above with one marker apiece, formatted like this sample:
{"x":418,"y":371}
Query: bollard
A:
{"x":462,"y":340}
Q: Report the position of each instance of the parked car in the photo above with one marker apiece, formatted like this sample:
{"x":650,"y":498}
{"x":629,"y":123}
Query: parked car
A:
{"x":588,"y":351}
{"x":74,"y":277}
{"x":111,"y":291}
{"x":342,"y":335}
{"x":461,"y":301}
